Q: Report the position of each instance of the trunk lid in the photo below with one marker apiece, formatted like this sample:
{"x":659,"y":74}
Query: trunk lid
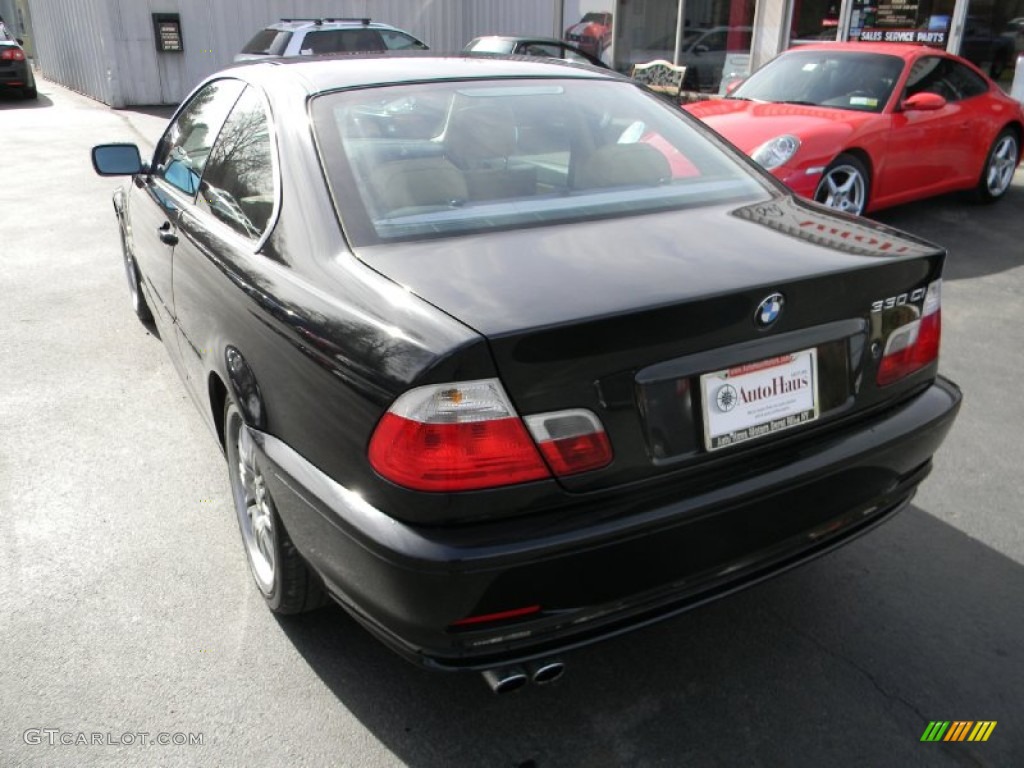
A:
{"x":624,"y":316}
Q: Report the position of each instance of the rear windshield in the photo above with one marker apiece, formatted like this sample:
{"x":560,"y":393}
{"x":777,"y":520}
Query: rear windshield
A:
{"x":270,"y":42}
{"x":416,"y":161}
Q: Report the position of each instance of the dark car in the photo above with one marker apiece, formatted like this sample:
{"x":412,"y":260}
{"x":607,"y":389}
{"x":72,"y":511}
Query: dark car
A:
{"x":545,"y":47}
{"x":15,"y":68}
{"x":508,"y":356}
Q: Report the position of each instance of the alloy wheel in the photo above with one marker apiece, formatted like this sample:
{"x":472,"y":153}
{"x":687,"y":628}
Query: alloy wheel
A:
{"x":255,"y":511}
{"x":1001,"y":165}
{"x":844,"y":188}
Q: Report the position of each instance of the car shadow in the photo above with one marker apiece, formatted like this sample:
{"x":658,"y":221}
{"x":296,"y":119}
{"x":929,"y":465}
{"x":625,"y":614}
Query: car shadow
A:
{"x":981,"y":239}
{"x":843,"y":661}
{"x":12,"y":101}
{"x":163,"y":112}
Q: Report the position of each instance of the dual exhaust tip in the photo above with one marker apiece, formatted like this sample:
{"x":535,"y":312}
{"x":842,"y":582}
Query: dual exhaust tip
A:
{"x":514,"y":677}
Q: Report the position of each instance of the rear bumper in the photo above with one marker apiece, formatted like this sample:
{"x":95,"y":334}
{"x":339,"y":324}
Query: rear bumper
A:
{"x":599,"y":569}
{"x":17,"y":76}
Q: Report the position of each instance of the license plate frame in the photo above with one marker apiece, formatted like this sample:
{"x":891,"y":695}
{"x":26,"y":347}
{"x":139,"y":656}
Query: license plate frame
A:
{"x":754,"y":400}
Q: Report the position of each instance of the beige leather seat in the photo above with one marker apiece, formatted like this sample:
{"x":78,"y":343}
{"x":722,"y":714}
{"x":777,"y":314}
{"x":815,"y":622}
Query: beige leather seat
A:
{"x":619,"y":165}
{"x":401,"y":187}
{"x":480,"y":141}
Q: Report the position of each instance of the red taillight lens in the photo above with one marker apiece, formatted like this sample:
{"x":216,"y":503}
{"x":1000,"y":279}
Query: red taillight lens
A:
{"x":571,"y":441}
{"x":12,"y":54}
{"x":467,"y":436}
{"x":916,"y":344}
{"x":455,"y":437}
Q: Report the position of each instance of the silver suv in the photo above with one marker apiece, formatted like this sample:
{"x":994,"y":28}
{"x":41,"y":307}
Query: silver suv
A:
{"x":306,"y":37}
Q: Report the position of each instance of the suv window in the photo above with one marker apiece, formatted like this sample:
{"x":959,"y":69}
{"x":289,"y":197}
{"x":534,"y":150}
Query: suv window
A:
{"x":270,"y":42}
{"x":949,"y":79}
{"x":238,"y":185}
{"x":342,"y":41}
{"x":185,"y":146}
{"x":399,"y":41}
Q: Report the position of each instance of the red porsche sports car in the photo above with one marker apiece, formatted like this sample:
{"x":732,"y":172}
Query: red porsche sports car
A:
{"x":864,"y":126}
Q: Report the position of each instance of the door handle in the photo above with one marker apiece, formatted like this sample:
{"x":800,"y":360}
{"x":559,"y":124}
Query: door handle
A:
{"x":166,"y":236}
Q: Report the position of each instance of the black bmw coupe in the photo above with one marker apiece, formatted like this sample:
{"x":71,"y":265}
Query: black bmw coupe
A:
{"x":510,"y":356}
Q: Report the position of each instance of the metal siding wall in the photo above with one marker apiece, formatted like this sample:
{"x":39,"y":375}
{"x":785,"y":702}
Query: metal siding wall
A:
{"x":522,"y":17}
{"x":72,"y":40}
{"x":127,"y":69}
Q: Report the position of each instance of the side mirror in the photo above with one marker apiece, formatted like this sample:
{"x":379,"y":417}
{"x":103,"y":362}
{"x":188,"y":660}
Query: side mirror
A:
{"x":923,"y":102}
{"x":19,"y":41}
{"x":117,"y":160}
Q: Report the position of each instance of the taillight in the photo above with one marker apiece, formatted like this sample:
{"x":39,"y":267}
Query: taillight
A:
{"x":571,"y":441}
{"x":916,"y":344}
{"x":455,"y":437}
{"x":467,"y":436}
{"x":12,"y":54}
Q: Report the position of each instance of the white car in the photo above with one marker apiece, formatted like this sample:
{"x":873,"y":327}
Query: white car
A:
{"x":307,"y":37}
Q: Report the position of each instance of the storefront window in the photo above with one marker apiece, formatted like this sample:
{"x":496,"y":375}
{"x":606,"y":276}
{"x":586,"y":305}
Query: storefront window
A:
{"x":814,"y":21}
{"x":902,"y":21}
{"x":993,"y":36}
{"x":715,"y":39}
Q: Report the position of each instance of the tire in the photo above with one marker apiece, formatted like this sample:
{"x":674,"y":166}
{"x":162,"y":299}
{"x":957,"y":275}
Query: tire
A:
{"x":281,"y":575}
{"x":30,"y":93}
{"x":1000,"y":165}
{"x":131,"y":272}
{"x":845,"y":185}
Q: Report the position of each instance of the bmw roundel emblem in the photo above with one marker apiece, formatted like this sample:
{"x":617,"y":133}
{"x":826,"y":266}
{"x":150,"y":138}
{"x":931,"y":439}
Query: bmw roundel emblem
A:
{"x":768,"y":310}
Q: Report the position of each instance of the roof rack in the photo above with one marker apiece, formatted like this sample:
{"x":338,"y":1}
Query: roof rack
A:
{"x":318,"y":22}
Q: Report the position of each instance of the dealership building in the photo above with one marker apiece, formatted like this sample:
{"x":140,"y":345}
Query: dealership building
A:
{"x":145,"y":52}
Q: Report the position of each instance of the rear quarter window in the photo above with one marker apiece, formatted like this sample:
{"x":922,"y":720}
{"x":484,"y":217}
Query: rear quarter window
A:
{"x":399,"y":41}
{"x":268,"y":42}
{"x":238,"y":185}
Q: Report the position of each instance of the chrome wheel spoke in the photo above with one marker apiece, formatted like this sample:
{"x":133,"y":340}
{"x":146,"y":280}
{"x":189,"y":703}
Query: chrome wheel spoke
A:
{"x":255,"y":512}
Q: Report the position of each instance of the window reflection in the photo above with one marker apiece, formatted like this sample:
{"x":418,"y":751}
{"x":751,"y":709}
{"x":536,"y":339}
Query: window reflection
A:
{"x":184,"y":149}
{"x":238,"y":187}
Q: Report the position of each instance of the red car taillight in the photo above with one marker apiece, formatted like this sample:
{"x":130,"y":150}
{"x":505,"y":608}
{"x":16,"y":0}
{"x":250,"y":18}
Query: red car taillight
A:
{"x":571,"y":441}
{"x":467,"y":436}
{"x":12,"y":54}
{"x":916,"y":344}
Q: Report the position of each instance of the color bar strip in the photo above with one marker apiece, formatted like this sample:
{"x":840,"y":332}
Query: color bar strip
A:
{"x":935,"y":730}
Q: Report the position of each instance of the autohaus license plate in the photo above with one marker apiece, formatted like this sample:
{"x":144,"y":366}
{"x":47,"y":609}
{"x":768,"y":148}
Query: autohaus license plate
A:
{"x":758,"y":399}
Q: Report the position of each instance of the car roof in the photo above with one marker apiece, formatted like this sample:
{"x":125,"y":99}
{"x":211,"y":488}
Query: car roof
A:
{"x":294,"y":25}
{"x":525,"y":39}
{"x":318,"y":74}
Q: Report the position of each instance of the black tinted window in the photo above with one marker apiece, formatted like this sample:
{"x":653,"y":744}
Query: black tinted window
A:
{"x":342,"y":41}
{"x":184,"y":148}
{"x":271,"y":42}
{"x":945,"y":77}
{"x":238,"y":186}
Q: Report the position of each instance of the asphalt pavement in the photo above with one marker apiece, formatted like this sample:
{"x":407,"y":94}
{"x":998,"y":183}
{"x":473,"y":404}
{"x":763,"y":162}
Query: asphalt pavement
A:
{"x":127,"y":612}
